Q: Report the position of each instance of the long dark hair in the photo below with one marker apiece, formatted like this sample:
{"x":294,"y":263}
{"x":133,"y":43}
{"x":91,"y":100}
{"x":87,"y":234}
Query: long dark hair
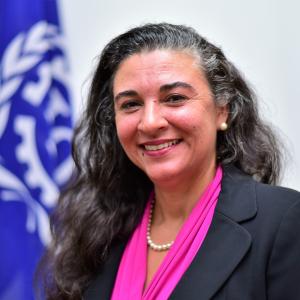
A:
{"x":108,"y":194}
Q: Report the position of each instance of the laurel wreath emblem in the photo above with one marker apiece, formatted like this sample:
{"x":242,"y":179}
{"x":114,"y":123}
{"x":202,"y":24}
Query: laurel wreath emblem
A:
{"x":23,"y":53}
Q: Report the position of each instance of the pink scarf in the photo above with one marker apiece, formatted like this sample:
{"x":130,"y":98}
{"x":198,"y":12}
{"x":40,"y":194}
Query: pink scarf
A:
{"x":133,"y":267}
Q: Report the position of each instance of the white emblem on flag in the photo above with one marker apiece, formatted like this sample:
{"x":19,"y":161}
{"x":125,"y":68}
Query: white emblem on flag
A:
{"x":26,"y":53}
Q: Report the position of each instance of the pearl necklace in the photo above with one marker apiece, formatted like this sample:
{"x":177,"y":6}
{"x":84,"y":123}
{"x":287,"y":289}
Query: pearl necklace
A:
{"x":151,"y":244}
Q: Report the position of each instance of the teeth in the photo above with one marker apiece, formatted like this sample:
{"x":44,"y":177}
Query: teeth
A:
{"x":161,"y":146}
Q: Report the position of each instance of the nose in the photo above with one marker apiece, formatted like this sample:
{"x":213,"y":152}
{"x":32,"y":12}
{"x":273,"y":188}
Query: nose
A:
{"x":152,"y":119}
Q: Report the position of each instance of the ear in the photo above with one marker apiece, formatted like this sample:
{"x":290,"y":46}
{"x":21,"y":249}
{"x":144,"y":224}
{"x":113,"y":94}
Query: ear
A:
{"x":222,"y":115}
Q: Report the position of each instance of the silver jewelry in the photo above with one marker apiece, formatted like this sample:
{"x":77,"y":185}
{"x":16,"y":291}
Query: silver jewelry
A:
{"x":151,"y":244}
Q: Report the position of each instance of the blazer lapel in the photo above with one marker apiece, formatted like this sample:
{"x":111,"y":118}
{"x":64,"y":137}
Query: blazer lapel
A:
{"x":225,"y":245}
{"x":226,"y":242}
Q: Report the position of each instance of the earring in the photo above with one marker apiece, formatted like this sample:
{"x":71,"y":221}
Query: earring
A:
{"x":223,"y":126}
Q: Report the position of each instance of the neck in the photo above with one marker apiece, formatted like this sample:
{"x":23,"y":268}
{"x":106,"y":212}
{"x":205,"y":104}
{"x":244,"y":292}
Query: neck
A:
{"x":173,"y":205}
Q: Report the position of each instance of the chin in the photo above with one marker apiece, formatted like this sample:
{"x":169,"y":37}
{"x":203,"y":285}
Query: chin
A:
{"x":163,"y":177}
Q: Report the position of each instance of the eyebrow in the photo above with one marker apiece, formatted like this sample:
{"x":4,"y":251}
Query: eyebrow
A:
{"x":170,"y":86}
{"x":129,"y":93}
{"x":164,"y":88}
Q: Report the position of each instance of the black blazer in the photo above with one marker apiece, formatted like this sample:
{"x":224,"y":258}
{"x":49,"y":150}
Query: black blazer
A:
{"x":251,"y":251}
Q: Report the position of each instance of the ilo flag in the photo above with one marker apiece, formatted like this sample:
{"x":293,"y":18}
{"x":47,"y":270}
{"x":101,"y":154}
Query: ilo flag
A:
{"x":35,"y":132}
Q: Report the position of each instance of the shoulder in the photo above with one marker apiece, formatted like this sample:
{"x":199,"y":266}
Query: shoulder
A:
{"x":270,"y":215}
{"x":276,"y":199}
{"x":278,"y":211}
{"x":242,"y":198}
{"x":271,"y":210}
{"x":283,"y":202}
{"x":275,"y":196}
{"x":282,"y":195}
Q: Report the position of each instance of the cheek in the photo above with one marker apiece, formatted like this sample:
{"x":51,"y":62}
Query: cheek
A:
{"x":125,"y":130}
{"x":187,"y":120}
{"x":198,"y":125}
{"x":127,"y":134}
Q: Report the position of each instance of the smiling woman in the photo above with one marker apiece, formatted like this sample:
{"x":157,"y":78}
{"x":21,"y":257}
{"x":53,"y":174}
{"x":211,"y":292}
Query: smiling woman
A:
{"x":172,"y":198}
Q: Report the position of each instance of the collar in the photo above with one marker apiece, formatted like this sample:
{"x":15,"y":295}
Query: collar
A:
{"x":237,"y":199}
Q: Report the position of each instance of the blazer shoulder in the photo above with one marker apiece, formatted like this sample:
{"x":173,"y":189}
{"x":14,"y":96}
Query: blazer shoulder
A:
{"x":276,"y":207}
{"x":276,"y":196}
{"x":243,"y":198}
{"x":284,"y":262}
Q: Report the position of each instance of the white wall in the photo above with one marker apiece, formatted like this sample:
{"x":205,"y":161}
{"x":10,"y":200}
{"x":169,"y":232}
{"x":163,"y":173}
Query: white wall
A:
{"x":260,"y":36}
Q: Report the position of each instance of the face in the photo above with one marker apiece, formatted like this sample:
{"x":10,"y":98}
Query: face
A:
{"x":165,"y":115}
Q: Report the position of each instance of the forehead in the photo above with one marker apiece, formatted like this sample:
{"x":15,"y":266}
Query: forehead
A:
{"x":158,"y":66}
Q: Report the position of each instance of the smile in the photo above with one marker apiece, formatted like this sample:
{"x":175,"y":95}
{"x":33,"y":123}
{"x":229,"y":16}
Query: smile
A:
{"x":161,"y":146}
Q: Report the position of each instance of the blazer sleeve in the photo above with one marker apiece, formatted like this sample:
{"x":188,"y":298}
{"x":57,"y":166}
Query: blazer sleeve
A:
{"x":283,"y":275}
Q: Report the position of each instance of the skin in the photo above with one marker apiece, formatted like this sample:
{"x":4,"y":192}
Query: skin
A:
{"x":167,"y":123}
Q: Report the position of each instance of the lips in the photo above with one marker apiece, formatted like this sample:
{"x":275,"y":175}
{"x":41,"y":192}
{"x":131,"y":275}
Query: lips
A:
{"x":155,"y":147}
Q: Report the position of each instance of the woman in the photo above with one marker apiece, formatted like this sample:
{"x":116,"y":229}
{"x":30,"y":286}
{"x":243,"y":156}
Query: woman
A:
{"x":164,"y":205}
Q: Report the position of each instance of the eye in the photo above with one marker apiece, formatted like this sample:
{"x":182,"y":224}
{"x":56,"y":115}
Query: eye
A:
{"x":175,"y":99}
{"x":130,"y":105}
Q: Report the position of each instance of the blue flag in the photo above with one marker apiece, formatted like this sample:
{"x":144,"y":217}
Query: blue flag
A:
{"x":35,"y":133}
